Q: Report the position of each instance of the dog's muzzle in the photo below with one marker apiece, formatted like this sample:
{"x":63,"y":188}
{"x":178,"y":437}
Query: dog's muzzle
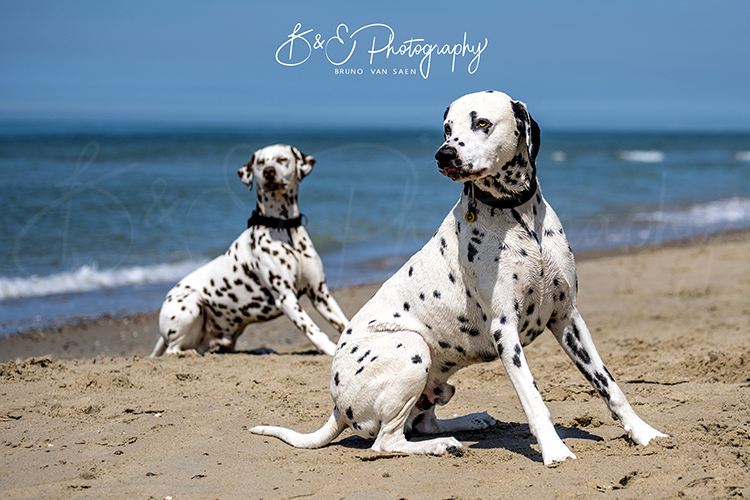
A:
{"x":448,"y":161}
{"x":269,"y":179}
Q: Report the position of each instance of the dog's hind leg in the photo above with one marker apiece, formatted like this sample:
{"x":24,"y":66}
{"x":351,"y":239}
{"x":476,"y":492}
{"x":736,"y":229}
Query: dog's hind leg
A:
{"x":576,"y":341}
{"x":181,"y":324}
{"x":406,"y":357}
{"x":428,"y":423}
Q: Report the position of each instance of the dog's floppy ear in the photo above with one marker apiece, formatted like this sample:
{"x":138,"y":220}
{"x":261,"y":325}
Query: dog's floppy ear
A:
{"x":305,"y":163}
{"x":527,"y":126}
{"x":246,"y":172}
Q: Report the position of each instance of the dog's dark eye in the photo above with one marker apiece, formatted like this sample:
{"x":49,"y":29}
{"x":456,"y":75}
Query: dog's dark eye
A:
{"x":482,"y":123}
{"x":447,"y":130}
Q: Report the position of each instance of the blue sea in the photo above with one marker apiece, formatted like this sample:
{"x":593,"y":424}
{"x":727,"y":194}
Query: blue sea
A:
{"x":99,"y":220}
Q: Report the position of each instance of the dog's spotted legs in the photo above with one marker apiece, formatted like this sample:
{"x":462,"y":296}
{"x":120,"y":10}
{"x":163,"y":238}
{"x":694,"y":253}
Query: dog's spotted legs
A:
{"x":182,"y":319}
{"x":412,"y":362}
{"x":328,"y":307}
{"x":540,"y":423}
{"x":391,"y":438}
{"x":292,"y":308}
{"x":576,"y":341}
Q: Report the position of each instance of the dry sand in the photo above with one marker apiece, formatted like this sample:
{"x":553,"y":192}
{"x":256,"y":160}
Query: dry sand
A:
{"x":85,"y":415}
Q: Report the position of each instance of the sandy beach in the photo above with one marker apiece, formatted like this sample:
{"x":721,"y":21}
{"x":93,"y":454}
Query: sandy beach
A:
{"x":85,"y":414}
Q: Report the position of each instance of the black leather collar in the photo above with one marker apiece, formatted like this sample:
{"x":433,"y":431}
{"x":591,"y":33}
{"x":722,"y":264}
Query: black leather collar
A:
{"x":256,"y":219}
{"x":510,"y":202}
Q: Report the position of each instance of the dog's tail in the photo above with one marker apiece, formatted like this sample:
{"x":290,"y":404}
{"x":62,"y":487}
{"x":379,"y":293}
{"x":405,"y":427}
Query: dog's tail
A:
{"x":321,"y":437}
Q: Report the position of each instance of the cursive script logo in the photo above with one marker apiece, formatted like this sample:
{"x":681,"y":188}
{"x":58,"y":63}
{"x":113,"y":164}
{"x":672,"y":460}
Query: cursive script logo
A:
{"x":341,"y":47}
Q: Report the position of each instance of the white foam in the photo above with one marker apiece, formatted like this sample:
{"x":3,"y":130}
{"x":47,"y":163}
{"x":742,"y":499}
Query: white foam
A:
{"x":713,"y":213}
{"x":742,"y":155}
{"x":559,"y":156}
{"x":653,"y":156}
{"x":88,"y":278}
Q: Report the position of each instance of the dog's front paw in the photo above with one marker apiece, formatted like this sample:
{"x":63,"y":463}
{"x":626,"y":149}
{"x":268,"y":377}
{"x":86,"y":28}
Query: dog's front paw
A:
{"x":642,"y":433}
{"x":556,"y":452}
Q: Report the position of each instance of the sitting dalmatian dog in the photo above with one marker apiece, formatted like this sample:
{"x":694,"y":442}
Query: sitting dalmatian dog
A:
{"x":495,"y":274}
{"x":261,"y":275}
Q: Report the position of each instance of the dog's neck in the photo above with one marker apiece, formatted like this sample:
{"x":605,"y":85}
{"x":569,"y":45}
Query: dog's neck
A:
{"x":508,"y":186}
{"x":474,"y":194}
{"x":512,"y":180}
{"x":278,"y":204}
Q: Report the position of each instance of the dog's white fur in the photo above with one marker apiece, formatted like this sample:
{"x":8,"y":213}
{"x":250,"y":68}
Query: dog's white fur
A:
{"x":260,"y":276}
{"x":476,"y":291}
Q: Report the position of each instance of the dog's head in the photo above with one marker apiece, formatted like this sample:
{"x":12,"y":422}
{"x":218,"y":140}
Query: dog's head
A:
{"x":490,"y":139}
{"x":276,"y":168}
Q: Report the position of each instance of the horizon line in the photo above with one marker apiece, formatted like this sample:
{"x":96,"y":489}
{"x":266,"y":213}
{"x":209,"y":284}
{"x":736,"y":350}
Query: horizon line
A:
{"x":24,"y":126}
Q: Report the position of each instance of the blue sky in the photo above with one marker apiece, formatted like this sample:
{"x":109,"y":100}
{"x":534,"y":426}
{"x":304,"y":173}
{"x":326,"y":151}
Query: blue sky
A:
{"x":667,"y":65}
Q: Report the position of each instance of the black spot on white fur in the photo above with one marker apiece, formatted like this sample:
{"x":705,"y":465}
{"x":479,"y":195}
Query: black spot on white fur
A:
{"x":517,"y":356}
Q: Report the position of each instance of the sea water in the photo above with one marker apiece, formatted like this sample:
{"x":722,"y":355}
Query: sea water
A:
{"x":105,"y":220}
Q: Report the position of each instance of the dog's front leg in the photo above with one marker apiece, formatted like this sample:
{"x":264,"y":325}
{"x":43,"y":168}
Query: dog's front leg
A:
{"x":576,"y":341}
{"x":510,"y":351}
{"x":292,"y":308}
{"x":327,"y":306}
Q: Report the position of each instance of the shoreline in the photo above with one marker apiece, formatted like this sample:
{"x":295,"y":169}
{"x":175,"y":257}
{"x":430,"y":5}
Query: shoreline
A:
{"x":124,"y":335}
{"x":83,"y":337}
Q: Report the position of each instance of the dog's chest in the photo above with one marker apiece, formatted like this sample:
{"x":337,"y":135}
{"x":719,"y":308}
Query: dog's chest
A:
{"x":239,"y":286}
{"x":501,"y":274}
{"x":518,"y":270}
{"x":471,"y":279}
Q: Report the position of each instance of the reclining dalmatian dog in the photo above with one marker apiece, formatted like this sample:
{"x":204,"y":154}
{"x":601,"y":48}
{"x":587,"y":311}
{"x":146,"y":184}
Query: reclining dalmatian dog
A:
{"x":261,"y":275}
{"x":495,"y":274}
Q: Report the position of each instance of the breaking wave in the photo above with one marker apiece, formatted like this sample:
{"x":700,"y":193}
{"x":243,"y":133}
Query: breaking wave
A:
{"x":89,"y":277}
{"x":643,"y":156}
{"x":722,"y":212}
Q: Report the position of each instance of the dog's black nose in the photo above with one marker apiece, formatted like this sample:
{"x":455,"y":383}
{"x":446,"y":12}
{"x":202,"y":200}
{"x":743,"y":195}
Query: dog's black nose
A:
{"x":269,"y":173}
{"x":446,"y":154}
